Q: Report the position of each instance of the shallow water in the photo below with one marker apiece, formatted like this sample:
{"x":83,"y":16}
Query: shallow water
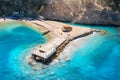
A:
{"x":14,"y":40}
{"x":98,"y":59}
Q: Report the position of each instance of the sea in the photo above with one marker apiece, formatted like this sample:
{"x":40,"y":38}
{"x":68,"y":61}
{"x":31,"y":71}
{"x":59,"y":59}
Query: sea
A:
{"x":97,"y":59}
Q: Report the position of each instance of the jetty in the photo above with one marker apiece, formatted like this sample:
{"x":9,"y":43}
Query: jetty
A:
{"x":47,"y":52}
{"x":43,"y":52}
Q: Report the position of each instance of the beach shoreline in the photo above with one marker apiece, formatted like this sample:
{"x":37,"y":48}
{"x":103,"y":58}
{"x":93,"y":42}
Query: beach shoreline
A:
{"x":56,"y":32}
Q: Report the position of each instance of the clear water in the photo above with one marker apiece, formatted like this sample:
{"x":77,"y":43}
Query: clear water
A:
{"x":98,"y":59}
{"x":15,"y":39}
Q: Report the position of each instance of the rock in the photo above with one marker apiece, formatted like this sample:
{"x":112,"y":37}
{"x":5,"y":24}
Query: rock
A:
{"x":58,"y":58}
{"x":95,"y":30}
{"x":31,"y":62}
{"x":37,"y":58}
{"x":67,"y":58}
{"x":28,"y":57}
{"x":104,"y":32}
{"x":44,"y":66}
{"x":35,"y":68}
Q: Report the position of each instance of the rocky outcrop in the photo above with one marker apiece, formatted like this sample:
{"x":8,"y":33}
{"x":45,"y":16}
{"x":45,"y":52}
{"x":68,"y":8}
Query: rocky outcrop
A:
{"x":82,"y":11}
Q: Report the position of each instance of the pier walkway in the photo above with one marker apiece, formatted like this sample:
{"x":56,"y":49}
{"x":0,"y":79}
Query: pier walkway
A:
{"x":43,"y":52}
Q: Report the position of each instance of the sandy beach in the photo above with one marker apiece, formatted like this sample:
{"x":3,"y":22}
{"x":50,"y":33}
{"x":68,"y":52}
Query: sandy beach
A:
{"x":56,"y":28}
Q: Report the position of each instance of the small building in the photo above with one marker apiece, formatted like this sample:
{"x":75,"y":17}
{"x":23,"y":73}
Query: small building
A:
{"x":66,"y":28}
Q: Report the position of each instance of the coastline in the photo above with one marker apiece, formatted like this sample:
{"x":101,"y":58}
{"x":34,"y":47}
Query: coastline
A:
{"x":55,"y":32}
{"x":25,"y":22}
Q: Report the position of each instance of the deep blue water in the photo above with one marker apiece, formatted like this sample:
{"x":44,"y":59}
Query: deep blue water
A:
{"x":98,"y":59}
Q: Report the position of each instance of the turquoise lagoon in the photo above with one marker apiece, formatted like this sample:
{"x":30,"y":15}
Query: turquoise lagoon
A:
{"x":16,"y":39}
{"x":98,"y":59}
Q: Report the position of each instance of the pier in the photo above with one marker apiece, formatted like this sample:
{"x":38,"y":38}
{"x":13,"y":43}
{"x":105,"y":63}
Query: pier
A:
{"x":47,"y":52}
{"x":44,"y":52}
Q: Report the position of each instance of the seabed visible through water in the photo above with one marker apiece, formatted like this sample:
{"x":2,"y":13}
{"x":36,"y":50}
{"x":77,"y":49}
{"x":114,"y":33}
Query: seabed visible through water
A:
{"x":97,"y":59}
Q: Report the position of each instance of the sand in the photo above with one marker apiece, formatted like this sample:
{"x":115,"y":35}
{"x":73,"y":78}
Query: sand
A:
{"x":56,"y":28}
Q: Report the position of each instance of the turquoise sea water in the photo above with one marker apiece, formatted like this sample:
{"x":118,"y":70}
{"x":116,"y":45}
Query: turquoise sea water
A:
{"x":15,"y":39}
{"x":98,"y":59}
